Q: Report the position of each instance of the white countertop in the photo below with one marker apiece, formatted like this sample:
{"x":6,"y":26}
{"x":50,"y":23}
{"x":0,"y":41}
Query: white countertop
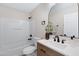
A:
{"x":70,"y":48}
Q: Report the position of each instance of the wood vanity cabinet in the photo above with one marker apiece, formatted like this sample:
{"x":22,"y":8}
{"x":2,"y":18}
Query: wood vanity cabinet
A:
{"x":45,"y":51}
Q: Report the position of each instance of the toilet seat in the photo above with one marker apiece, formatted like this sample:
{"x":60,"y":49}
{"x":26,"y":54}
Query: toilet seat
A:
{"x":29,"y":50}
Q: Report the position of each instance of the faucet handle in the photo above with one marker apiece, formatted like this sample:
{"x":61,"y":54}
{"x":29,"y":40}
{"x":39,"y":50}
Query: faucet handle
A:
{"x":72,"y":37}
{"x":54,"y":39}
{"x":63,"y":41}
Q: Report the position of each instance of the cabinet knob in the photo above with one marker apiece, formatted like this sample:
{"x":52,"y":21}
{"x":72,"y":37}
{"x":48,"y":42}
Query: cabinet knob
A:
{"x":43,"y":50}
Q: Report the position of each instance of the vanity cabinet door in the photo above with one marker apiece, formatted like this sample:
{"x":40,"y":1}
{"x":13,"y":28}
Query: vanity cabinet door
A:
{"x":45,"y":51}
{"x":41,"y":51}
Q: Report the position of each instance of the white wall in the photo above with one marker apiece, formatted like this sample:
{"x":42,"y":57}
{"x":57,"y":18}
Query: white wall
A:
{"x":14,"y":31}
{"x":39,"y":14}
{"x":78,"y":20}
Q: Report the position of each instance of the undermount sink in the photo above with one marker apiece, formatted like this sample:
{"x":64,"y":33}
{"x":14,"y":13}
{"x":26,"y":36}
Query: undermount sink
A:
{"x":73,"y":43}
{"x":58,"y":45}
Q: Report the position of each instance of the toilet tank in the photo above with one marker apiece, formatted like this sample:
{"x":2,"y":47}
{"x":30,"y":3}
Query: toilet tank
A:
{"x":35,"y":39}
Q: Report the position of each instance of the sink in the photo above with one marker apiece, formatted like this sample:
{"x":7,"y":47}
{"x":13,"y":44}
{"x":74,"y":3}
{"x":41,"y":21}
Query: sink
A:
{"x":56,"y":44}
{"x":60,"y":46}
{"x":73,"y":43}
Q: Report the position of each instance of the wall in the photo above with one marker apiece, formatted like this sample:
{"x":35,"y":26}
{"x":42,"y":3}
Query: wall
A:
{"x":78,"y":19}
{"x":57,"y":16}
{"x":39,"y":14}
{"x":14,"y":31}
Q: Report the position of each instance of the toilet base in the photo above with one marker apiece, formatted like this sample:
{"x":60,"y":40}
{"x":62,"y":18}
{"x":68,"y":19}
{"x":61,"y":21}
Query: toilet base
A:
{"x":32,"y":54}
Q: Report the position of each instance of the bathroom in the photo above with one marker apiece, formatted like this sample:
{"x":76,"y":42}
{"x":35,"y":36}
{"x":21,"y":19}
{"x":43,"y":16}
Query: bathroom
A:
{"x":22,"y":25}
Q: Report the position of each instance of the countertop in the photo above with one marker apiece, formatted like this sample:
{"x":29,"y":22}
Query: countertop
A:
{"x":69,"y":48}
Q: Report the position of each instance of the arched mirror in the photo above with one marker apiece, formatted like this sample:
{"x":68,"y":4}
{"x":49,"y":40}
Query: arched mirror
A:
{"x":63,"y":17}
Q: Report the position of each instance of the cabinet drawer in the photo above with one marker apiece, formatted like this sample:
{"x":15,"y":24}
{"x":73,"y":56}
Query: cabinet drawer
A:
{"x":45,"y":51}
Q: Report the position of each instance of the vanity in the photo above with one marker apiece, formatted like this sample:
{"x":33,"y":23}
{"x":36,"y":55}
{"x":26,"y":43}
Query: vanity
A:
{"x":43,"y":50}
{"x":51,"y":48}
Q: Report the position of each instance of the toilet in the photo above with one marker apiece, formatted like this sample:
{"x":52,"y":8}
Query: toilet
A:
{"x":31,"y":49}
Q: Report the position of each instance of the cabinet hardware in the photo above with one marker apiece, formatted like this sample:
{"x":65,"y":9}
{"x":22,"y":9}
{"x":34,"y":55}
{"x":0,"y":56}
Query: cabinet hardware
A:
{"x":43,"y":50}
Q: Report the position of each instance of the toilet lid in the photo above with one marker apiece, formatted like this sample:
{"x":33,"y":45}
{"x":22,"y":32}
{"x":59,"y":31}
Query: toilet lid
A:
{"x":29,"y":49}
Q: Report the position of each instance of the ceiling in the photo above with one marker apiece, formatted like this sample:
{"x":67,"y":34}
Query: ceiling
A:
{"x":25,"y":7}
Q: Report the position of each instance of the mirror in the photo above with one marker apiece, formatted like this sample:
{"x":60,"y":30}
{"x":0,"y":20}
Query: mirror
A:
{"x":64,"y":19}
